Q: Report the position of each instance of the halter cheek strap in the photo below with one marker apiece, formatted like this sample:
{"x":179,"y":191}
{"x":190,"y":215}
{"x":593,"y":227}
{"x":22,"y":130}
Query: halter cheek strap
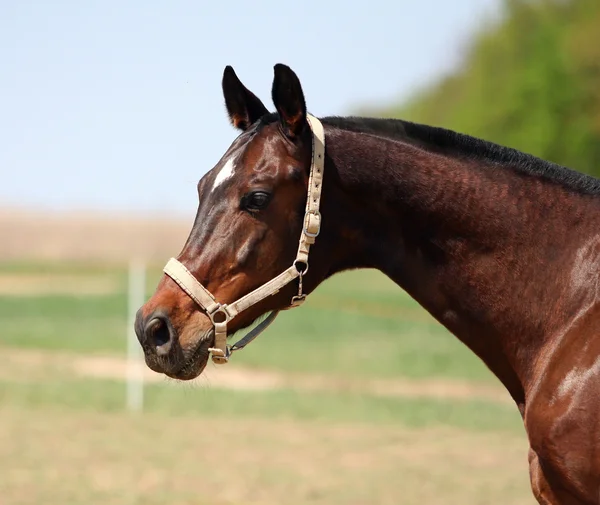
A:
{"x":220,"y":314}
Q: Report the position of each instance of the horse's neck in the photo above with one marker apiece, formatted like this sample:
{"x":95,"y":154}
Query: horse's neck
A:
{"x":466,"y":241}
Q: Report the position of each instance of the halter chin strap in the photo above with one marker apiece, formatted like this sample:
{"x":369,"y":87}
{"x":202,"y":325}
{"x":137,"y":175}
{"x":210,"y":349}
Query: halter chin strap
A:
{"x":220,"y":314}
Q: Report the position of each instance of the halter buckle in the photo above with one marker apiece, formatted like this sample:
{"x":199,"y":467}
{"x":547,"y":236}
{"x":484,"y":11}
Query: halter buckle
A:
{"x":308,"y":222}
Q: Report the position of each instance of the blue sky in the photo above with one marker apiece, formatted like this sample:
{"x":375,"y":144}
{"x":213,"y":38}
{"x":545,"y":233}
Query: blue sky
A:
{"x":118,"y":105}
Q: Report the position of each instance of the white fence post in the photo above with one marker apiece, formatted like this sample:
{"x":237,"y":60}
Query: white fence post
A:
{"x":135,"y":362}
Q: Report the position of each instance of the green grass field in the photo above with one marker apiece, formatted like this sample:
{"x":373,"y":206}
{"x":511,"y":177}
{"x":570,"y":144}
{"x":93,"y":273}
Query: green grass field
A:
{"x":331,"y":332}
{"x":66,"y":438}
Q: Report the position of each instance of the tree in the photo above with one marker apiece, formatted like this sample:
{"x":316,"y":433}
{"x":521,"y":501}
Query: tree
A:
{"x":530,"y":81}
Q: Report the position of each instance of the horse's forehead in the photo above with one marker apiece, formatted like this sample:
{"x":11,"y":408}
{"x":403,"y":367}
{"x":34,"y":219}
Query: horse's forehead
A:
{"x":226,"y":167}
{"x":225,"y":172}
{"x":247,"y":153}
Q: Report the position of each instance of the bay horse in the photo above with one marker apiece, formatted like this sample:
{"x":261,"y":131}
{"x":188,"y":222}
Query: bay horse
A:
{"x":500,"y":247}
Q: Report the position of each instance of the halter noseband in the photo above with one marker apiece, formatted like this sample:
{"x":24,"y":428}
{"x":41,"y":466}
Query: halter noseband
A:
{"x":220,"y":314}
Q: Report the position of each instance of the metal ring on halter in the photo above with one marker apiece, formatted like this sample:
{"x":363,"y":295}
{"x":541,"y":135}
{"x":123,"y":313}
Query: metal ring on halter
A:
{"x":303,"y":271}
{"x":221,"y":310}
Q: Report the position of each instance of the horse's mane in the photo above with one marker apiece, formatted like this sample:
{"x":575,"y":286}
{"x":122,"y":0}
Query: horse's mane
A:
{"x":447,"y":141}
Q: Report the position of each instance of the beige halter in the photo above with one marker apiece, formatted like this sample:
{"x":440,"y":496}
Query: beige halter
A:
{"x":221,"y":314}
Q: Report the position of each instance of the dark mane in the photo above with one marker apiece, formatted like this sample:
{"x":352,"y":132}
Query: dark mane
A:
{"x":445,"y":141}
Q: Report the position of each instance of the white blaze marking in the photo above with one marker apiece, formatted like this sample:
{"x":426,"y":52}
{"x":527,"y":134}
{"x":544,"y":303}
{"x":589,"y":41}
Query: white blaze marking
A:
{"x":225,"y":173}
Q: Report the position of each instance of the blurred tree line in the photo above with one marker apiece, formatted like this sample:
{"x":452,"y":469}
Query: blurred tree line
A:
{"x":530,"y":80}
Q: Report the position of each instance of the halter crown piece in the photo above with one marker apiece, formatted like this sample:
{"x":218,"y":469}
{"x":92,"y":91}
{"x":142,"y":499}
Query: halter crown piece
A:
{"x":220,"y":314}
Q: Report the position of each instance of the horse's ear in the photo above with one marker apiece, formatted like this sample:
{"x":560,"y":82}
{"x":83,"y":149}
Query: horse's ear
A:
{"x":243,"y":106}
{"x":289,"y":100}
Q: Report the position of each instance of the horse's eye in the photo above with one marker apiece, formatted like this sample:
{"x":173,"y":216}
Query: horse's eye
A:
{"x":257,"y":200}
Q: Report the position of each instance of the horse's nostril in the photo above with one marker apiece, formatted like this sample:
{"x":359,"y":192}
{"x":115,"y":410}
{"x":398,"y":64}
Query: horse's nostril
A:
{"x":158,"y":334}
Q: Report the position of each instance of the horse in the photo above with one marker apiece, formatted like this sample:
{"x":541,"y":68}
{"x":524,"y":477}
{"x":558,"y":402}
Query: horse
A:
{"x":500,"y":247}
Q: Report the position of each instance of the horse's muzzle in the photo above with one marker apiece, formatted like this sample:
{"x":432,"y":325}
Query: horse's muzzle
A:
{"x":162,"y":350}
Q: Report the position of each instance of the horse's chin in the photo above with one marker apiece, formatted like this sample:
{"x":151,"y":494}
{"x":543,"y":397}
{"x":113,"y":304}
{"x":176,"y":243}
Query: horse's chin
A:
{"x":190,"y":372}
{"x":194,"y":364}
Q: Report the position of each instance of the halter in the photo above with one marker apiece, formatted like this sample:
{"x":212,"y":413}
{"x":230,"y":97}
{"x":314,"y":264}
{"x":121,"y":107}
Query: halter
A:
{"x":220,"y":314}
